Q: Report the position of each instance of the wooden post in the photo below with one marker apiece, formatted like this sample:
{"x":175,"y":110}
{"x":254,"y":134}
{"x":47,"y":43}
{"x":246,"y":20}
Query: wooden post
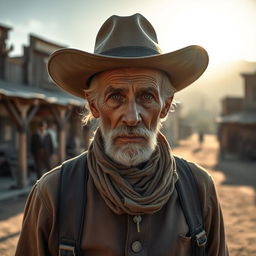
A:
{"x":23,"y":108}
{"x":22,"y":173}
{"x":61,"y":115}
{"x":19,"y":111}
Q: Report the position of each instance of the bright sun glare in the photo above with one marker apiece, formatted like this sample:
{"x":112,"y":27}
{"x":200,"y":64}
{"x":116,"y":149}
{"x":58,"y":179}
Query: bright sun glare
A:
{"x":223,"y":34}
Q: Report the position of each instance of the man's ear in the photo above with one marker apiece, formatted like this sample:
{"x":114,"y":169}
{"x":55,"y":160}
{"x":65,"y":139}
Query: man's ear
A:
{"x":92,"y":106}
{"x":166,"y":107}
{"x":94,"y":110}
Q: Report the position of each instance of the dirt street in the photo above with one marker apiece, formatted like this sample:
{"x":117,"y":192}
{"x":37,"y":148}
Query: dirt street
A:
{"x":236,"y":185}
{"x":11,"y":212}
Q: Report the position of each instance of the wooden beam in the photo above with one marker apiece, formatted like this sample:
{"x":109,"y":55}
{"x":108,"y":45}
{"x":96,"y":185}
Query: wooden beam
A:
{"x":22,"y":113}
{"x":68,"y":112}
{"x":11,"y":108}
{"x":61,"y":114}
{"x":55,"y":114}
{"x":23,"y":107}
{"x":33,"y":111}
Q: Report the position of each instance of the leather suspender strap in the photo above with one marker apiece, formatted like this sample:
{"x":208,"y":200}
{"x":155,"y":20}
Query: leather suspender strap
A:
{"x":72,"y":202}
{"x":187,"y":189}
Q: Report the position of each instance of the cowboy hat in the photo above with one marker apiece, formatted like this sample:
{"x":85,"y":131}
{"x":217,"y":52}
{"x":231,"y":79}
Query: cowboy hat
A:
{"x":125,"y":42}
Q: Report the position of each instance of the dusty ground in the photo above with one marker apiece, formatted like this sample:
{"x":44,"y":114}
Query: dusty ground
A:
{"x":236,"y":185}
{"x":11,"y":213}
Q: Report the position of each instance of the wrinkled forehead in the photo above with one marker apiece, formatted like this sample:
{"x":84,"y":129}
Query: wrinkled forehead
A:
{"x":128,"y":76}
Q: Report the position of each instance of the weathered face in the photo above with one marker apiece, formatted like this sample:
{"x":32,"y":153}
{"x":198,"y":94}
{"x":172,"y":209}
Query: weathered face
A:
{"x":130,"y":106}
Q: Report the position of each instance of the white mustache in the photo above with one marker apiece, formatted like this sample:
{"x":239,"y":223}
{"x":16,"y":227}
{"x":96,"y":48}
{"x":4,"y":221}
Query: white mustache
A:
{"x":130,"y":130}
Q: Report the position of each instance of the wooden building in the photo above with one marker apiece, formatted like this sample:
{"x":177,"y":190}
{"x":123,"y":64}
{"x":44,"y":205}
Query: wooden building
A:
{"x":237,"y":123}
{"x":27,"y":96}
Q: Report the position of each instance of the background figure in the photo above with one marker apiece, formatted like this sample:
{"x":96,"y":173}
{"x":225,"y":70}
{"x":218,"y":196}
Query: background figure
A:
{"x":47,"y":149}
{"x":51,"y":144}
{"x":201,"y":137}
{"x":37,"y":148}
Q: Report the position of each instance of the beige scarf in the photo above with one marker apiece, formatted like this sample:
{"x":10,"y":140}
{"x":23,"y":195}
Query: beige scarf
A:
{"x":129,"y":189}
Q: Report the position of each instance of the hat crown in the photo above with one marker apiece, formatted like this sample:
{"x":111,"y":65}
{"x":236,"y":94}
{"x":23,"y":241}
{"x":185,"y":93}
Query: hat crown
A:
{"x":128,"y":36}
{"x":125,"y":42}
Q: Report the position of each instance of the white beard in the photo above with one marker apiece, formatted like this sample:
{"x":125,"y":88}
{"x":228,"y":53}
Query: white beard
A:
{"x":130,"y":154}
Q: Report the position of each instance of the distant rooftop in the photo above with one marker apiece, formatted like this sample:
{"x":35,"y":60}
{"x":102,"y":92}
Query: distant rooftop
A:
{"x":5,"y":27}
{"x":243,"y":117}
{"x":46,"y":41}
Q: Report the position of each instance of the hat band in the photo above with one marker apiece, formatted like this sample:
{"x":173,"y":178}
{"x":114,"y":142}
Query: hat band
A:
{"x":130,"y":51}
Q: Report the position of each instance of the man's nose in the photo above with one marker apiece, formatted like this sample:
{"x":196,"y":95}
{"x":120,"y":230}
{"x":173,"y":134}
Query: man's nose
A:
{"x":132,"y":115}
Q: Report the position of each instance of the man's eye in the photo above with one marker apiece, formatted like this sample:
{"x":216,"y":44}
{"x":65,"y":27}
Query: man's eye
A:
{"x":116,"y":97}
{"x":147,"y":97}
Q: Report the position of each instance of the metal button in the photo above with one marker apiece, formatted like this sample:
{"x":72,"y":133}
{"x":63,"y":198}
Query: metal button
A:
{"x":136,"y":246}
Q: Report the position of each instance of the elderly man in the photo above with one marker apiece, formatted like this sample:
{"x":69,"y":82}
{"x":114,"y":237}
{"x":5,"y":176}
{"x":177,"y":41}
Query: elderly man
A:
{"x":129,"y":197}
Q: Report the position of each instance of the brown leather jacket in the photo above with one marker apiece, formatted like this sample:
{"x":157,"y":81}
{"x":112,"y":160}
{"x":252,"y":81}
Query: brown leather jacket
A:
{"x":105,"y":233}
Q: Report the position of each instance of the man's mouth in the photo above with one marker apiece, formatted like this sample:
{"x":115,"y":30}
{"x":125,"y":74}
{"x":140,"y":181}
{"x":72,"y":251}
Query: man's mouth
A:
{"x":131,"y":138}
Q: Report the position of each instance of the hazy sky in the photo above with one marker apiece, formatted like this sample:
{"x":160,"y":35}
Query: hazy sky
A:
{"x":226,"y":28}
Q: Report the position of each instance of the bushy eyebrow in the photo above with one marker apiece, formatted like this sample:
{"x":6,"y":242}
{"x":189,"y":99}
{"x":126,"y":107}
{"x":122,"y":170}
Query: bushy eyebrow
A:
{"x":149,"y":90}
{"x":112,"y":89}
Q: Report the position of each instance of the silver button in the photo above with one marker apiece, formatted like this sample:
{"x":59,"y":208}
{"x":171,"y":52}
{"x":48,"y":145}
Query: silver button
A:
{"x":136,"y":246}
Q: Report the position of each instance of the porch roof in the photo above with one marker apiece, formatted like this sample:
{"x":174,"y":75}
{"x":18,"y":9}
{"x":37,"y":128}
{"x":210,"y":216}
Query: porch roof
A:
{"x":59,"y":97}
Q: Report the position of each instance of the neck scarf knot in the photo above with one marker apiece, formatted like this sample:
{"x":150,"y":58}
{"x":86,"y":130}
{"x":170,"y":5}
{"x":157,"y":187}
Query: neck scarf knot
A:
{"x":132,"y":190}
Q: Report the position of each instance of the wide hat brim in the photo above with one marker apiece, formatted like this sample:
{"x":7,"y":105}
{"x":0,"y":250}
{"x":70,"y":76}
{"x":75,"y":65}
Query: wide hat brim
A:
{"x":70,"y":68}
